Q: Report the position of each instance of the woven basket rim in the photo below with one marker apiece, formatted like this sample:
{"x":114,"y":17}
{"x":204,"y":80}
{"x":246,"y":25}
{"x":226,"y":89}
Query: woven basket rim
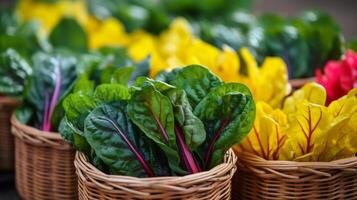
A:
{"x":223,"y":168}
{"x":294,"y":169}
{"x":11,"y":101}
{"x":34,"y":131}
{"x":246,"y":155}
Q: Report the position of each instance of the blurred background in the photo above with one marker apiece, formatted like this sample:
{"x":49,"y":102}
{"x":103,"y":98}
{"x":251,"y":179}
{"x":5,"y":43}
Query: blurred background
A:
{"x":343,"y":11}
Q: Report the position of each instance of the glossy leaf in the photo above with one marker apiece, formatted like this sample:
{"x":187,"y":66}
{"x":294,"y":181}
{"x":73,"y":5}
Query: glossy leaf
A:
{"x":339,"y":141}
{"x":306,"y":127}
{"x":122,"y":75}
{"x":268,"y":134}
{"x":159,"y":85}
{"x":77,"y":106}
{"x":228,"y":113}
{"x":74,"y":136}
{"x":111,"y":93}
{"x":192,"y":127}
{"x":152,"y":112}
{"x":14,"y":70}
{"x":111,"y":134}
{"x":311,"y":92}
{"x":197,"y":82}
{"x":51,"y":78}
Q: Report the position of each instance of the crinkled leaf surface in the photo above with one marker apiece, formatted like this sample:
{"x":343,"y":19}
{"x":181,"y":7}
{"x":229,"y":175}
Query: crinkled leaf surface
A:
{"x":111,"y":93}
{"x":197,"y":82}
{"x":51,"y":78}
{"x":152,"y":112}
{"x":14,"y":70}
{"x":228,"y":113}
{"x":309,"y":123}
{"x":192,"y":127}
{"x":111,"y":134}
{"x":268,"y":134}
{"x":311,"y":92}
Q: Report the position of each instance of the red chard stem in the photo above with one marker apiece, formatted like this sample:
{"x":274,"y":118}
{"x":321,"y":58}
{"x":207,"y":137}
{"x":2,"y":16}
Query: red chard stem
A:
{"x":188,"y":159}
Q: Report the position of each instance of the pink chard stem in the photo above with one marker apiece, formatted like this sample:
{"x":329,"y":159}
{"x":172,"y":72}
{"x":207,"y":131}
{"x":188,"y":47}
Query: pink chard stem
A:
{"x":188,"y":159}
{"x":45,"y":114}
{"x":137,"y":153}
{"x":217,"y":135}
{"x":54,"y":99}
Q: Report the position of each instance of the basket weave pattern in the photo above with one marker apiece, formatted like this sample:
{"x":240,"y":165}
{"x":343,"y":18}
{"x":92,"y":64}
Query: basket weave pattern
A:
{"x":44,"y":164}
{"x":7,"y":159}
{"x":212,"y":184}
{"x":262,"y":179}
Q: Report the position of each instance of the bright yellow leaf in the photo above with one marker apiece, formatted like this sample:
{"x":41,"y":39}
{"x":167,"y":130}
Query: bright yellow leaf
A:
{"x":308,"y":123}
{"x":311,"y":92}
{"x":340,"y":140}
{"x":274,"y":85}
{"x":49,"y":14}
{"x":268,"y":134}
{"x":109,"y":32}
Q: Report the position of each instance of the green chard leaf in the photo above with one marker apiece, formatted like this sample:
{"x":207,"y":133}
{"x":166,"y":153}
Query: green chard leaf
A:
{"x":228,"y":113}
{"x":115,"y":141}
{"x":24,"y":114}
{"x":111,"y":93}
{"x":69,"y":34}
{"x":14,"y":70}
{"x":142,"y":69}
{"x":159,"y":85}
{"x":152,"y":112}
{"x":51,"y":78}
{"x":74,"y":136}
{"x":197,"y":81}
{"x":167,"y":76}
{"x":77,"y":106}
{"x":122,"y":75}
{"x":191,"y":126}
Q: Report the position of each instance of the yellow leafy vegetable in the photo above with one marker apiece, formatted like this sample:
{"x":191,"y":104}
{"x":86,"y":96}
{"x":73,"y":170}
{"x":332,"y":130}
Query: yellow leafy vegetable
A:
{"x":268,"y":134}
{"x":341,"y":136}
{"x":49,"y":14}
{"x":309,"y":123}
{"x":305,"y":130}
{"x":311,"y":92}
{"x":109,"y":32}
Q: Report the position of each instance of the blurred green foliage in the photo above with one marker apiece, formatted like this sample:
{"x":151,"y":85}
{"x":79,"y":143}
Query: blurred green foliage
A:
{"x":305,"y":42}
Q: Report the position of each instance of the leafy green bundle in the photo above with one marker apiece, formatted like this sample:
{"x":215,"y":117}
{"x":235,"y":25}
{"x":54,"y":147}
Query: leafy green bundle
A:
{"x":153,"y":128}
{"x":155,"y":16}
{"x":40,"y":83}
{"x":44,"y":80}
{"x":305,"y":42}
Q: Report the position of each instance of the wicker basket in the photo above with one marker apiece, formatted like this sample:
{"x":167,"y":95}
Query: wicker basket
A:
{"x":262,"y":179}
{"x":298,"y":83}
{"x":44,"y":164}
{"x":7,"y":105}
{"x":212,"y":184}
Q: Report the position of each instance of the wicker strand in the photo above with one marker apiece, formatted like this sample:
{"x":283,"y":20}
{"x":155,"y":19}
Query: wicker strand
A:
{"x":44,"y":164}
{"x":268,"y":179}
{"x":212,"y":184}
